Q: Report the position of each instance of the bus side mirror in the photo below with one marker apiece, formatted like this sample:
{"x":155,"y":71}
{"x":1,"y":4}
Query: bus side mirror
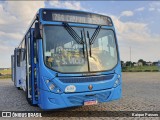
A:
{"x":37,"y":33}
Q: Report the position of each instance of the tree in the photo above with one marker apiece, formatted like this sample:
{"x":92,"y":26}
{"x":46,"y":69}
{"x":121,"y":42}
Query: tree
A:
{"x":122,"y":63}
{"x":142,"y":61}
{"x":134,"y":63}
{"x":129,"y":63}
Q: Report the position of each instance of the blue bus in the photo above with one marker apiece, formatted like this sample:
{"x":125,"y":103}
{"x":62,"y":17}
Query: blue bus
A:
{"x":68,"y":58}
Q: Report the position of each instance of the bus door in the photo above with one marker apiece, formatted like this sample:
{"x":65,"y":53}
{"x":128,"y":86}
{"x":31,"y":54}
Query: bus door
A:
{"x":31,"y":68}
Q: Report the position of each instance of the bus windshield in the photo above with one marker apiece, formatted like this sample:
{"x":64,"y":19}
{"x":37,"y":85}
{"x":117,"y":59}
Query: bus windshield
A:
{"x":64,"y":54}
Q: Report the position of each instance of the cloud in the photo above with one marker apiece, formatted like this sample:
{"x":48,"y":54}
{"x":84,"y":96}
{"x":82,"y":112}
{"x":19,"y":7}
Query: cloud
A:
{"x":25,"y":11}
{"x":136,"y":35}
{"x":66,"y":4}
{"x":140,"y":9}
{"x":14,"y":20}
{"x":15,"y":17}
{"x":151,"y":9}
{"x":127,"y":13}
{"x":154,"y":6}
{"x":137,"y":32}
{"x":130,"y":30}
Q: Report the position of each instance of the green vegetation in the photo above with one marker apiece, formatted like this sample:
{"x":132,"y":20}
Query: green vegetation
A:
{"x":5,"y":76}
{"x":140,"y":66}
{"x":6,"y":73}
{"x":140,"y":69}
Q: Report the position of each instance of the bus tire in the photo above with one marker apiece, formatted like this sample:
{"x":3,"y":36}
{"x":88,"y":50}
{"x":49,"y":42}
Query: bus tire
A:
{"x":18,"y":88}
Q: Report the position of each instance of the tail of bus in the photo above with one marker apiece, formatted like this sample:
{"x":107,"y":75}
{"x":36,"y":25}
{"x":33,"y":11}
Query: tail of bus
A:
{"x":16,"y":69}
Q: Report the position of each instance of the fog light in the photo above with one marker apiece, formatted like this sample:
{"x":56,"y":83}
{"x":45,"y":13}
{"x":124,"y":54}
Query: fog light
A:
{"x":116,"y":83}
{"x":51,"y":86}
{"x":47,"y":81}
{"x":58,"y":91}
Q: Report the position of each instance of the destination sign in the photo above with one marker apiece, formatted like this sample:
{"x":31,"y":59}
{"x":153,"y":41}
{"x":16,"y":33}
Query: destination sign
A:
{"x":76,"y":17}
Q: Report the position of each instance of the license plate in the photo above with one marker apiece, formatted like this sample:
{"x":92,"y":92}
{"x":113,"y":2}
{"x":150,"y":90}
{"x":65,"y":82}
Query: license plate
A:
{"x":90,"y":102}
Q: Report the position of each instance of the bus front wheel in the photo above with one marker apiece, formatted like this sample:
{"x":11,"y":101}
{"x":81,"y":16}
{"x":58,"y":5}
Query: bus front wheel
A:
{"x":18,"y":88}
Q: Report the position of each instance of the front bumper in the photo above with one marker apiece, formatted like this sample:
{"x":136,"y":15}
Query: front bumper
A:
{"x":49,"y":100}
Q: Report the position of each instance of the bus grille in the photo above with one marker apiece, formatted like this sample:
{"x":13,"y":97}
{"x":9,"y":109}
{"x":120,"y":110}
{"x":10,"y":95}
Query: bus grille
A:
{"x":86,"y":79}
{"x":79,"y":99}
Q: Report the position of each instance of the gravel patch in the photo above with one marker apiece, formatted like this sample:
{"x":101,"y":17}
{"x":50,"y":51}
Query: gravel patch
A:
{"x":141,"y":92}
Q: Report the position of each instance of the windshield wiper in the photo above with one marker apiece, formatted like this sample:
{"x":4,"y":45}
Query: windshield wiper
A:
{"x":83,"y":43}
{"x":90,"y":53}
{"x":75,"y":36}
{"x":73,"y":33}
{"x":95,"y":34}
{"x":92,"y":39}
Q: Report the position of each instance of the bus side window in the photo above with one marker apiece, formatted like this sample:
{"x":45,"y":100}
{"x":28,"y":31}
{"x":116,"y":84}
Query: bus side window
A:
{"x":35,"y":52}
{"x":18,"y":59}
{"x":24,"y":54}
{"x":23,"y":48}
{"x":28,"y":48}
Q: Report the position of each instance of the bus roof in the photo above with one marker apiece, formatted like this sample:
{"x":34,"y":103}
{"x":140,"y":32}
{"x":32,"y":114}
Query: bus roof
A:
{"x":76,"y":16}
{"x":58,"y":9}
{"x":71,"y":10}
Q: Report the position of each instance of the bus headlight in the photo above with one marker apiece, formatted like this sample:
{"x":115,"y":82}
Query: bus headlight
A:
{"x":119,"y":76}
{"x":58,"y":91}
{"x":116,"y":83}
{"x":47,"y":81}
{"x":51,"y":86}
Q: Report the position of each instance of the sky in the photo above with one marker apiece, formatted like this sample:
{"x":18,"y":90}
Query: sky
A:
{"x":137,"y":25}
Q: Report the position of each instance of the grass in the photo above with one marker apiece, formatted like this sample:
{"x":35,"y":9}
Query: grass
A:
{"x":5,"y":74}
{"x":140,"y":69}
